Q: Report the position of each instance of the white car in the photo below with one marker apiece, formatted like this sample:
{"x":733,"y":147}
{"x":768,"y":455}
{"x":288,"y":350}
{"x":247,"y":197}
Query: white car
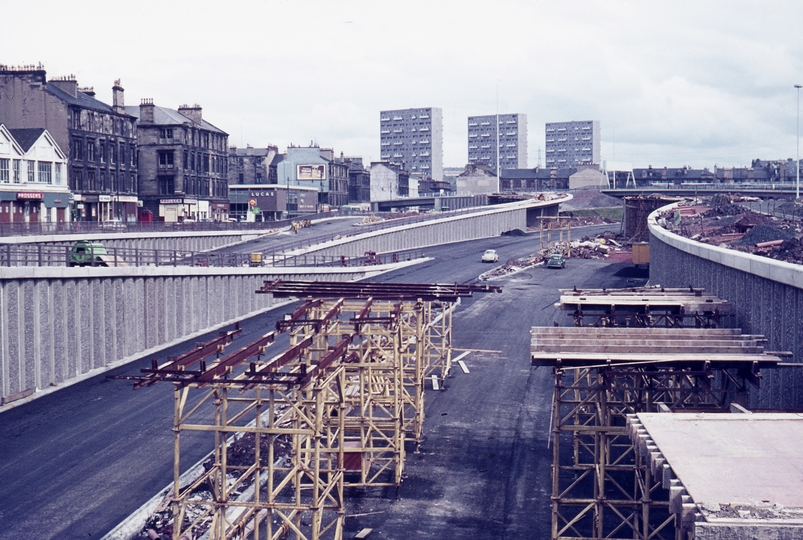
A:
{"x":490,"y":255}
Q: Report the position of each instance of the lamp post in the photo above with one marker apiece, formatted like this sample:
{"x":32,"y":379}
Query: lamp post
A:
{"x":797,"y":152}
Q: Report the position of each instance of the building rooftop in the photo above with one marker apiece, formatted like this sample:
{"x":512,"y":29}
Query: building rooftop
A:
{"x":166,"y":117}
{"x":25,"y":137}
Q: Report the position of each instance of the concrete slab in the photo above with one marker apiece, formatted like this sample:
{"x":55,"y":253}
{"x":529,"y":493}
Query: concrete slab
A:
{"x":733,"y":459}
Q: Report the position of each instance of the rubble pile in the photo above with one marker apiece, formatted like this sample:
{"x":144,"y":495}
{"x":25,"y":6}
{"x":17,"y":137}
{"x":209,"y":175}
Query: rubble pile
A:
{"x":722,"y":223}
{"x":600,"y":247}
{"x":603,"y":246}
{"x":240,"y":453}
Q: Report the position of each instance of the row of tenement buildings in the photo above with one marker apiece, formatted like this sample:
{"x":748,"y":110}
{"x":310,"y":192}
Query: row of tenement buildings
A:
{"x":66,"y":155}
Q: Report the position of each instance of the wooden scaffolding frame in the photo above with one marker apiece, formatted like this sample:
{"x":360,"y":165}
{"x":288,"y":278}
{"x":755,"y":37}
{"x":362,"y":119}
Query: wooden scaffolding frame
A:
{"x":333,"y":410}
{"x":602,"y":486}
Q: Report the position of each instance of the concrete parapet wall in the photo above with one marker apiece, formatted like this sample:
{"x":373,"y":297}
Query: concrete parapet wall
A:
{"x":59,"y":325}
{"x":460,"y":228}
{"x":766,"y":297}
{"x":194,"y":241}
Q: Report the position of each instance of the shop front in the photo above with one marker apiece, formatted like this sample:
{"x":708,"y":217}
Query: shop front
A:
{"x":175,"y":210}
{"x":33,"y":207}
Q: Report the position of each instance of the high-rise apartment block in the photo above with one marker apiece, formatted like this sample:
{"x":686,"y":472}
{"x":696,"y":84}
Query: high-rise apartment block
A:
{"x":507,"y":137}
{"x":569,"y":144}
{"x":413,"y":138}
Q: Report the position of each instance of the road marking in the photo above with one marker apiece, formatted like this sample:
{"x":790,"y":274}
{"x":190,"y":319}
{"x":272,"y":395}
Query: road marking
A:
{"x":463,"y":366}
{"x":435,"y":385}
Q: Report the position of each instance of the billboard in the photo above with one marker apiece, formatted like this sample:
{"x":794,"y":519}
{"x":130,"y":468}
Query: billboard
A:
{"x":311,"y":172}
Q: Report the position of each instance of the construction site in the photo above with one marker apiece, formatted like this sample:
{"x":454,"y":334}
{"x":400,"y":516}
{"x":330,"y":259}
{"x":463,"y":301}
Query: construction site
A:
{"x":335,"y":410}
{"x":650,"y":429}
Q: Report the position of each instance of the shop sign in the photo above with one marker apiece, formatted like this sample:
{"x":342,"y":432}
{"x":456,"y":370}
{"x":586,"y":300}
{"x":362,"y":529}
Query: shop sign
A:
{"x":104,"y":198}
{"x":127,"y":198}
{"x":171,"y":201}
{"x":30,"y":195}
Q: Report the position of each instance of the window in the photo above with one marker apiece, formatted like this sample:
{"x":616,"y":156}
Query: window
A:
{"x":166,"y":185}
{"x":133,"y":154}
{"x":102,"y":151}
{"x":77,"y":179}
{"x":77,"y":149}
{"x":31,"y":171}
{"x":165,"y":160}
{"x":90,"y":150}
{"x":58,"y":174}
{"x":4,"y":171}
{"x":122,"y":154}
{"x":166,"y":136}
{"x":16,"y":166}
{"x":112,"y":153}
{"x":45,"y":172}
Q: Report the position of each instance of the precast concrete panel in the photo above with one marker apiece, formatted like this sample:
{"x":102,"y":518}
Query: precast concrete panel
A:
{"x":29,"y":311}
{"x":759,"y":306}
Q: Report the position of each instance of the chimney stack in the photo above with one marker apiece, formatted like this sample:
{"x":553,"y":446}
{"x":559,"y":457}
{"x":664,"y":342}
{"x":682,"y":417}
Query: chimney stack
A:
{"x":146,"y":108}
{"x":118,"y":103}
{"x":66,"y":84}
{"x":192,"y":112}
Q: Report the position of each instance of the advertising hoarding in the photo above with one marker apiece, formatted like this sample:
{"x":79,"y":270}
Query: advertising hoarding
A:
{"x":311,"y":172}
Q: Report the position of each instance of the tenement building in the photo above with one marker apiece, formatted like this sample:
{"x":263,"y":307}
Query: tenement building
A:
{"x":98,"y":139}
{"x":315,"y":167}
{"x":569,"y":144}
{"x":251,"y":165}
{"x":502,"y":137}
{"x":183,"y":163}
{"x":413,"y":138}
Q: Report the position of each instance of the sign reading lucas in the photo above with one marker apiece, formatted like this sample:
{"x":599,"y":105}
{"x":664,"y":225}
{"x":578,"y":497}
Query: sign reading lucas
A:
{"x":311,"y":172}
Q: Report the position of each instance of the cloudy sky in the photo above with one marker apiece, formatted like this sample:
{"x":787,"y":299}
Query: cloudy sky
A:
{"x":698,"y":83}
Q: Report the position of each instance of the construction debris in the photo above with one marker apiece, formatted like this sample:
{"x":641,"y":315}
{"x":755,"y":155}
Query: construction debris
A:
{"x":720,"y":222}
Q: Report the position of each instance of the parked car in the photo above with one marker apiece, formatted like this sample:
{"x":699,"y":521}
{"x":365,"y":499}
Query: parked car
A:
{"x":556,"y":260}
{"x":88,"y":253}
{"x":490,"y":255}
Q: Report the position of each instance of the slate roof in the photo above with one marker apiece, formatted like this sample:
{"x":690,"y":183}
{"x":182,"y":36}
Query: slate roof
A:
{"x":25,"y":137}
{"x":163,"y":116}
{"x":244,"y":152}
{"x":518,"y":174}
{"x":81,"y":99}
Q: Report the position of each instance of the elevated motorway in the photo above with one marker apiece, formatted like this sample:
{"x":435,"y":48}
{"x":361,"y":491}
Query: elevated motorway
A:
{"x":59,"y":325}
{"x":690,"y":190}
{"x":766,"y":296}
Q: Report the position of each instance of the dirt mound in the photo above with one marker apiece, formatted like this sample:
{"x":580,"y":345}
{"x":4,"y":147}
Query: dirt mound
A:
{"x":590,"y":198}
{"x":764,"y":233}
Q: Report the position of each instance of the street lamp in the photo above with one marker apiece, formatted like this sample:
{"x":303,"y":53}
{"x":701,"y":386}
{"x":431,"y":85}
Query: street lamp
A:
{"x":797,"y":154}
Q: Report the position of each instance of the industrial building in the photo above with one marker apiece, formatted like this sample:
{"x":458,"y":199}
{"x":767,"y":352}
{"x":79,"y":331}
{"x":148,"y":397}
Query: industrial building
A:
{"x":569,"y":144}
{"x":501,"y":137}
{"x":413,"y":138}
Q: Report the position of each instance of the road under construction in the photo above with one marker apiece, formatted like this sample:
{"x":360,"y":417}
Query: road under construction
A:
{"x":339,"y":408}
{"x":476,"y":466}
{"x":334,"y":410}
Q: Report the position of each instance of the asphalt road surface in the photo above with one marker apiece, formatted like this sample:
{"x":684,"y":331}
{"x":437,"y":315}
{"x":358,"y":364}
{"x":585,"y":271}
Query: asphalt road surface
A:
{"x":76,"y":462}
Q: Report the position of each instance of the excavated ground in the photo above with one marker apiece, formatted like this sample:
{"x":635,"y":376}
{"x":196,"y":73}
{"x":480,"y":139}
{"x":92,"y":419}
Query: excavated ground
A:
{"x":721,"y":222}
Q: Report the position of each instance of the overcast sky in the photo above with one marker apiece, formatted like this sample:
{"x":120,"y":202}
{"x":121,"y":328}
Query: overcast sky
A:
{"x":698,"y":83}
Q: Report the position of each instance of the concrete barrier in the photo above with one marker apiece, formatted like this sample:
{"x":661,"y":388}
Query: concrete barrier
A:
{"x":189,"y":241}
{"x":61,"y":325}
{"x":766,"y":295}
{"x":460,"y":228}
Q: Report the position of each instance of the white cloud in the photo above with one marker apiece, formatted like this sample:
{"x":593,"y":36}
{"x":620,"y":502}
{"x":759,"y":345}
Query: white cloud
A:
{"x":672,"y":82}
